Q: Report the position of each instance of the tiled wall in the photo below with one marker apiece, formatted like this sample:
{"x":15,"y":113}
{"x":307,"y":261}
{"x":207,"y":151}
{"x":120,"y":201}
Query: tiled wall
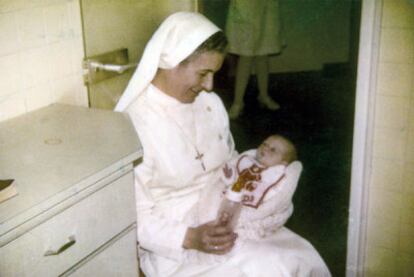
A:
{"x":390,"y":234}
{"x":40,"y":55}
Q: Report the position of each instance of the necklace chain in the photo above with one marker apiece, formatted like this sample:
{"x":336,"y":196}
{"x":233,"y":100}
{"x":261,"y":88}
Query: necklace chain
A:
{"x":199,"y":155}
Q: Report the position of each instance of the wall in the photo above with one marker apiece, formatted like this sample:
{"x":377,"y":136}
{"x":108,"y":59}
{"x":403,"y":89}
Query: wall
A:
{"x":41,"y":55}
{"x":390,"y":232}
{"x":316,"y":32}
{"x":111,"y":25}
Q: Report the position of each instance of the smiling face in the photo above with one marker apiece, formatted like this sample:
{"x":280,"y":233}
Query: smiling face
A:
{"x":273,"y":151}
{"x":196,"y":74}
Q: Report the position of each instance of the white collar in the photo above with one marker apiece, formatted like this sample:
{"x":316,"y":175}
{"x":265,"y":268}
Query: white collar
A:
{"x":154,"y":94}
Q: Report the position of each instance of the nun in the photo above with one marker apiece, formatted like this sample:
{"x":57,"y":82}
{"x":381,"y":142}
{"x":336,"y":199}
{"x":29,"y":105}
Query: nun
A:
{"x":184,"y":130}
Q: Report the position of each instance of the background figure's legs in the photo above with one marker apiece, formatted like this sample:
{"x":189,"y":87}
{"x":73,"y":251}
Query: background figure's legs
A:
{"x":244,"y":65}
{"x":262,"y":71}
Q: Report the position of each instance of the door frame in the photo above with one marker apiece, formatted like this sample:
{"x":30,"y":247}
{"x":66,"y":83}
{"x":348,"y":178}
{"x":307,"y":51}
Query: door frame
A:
{"x":368,"y":58}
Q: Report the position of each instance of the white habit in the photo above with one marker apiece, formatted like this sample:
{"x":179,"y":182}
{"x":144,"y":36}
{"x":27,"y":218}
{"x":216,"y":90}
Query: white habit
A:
{"x":169,"y":184}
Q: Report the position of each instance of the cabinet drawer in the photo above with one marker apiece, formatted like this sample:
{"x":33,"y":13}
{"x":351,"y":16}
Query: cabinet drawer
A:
{"x":90,"y":223}
{"x":119,"y":259}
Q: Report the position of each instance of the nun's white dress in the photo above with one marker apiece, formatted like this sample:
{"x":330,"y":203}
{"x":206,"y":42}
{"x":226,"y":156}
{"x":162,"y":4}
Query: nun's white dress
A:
{"x":170,"y":183}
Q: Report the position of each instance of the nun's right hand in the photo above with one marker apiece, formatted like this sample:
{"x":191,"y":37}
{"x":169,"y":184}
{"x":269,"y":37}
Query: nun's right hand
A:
{"x":210,"y":238}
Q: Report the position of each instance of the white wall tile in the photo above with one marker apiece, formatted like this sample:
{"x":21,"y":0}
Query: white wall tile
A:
{"x":69,"y":90}
{"x":407,"y":211}
{"x":8,"y":6}
{"x":75,"y":20}
{"x":77,"y":55}
{"x":58,"y":23}
{"x":407,"y":238}
{"x":12,"y":105}
{"x":408,"y":177}
{"x":380,"y":261}
{"x":392,"y":188}
{"x":81,"y":89}
{"x":398,"y":13}
{"x":410,"y":147}
{"x":31,"y":28}
{"x":60,"y":58}
{"x":389,"y":143}
{"x":54,"y":2}
{"x":411,"y":112}
{"x":82,"y":96}
{"x":395,"y":79}
{"x":38,"y":96}
{"x":387,"y":175}
{"x":15,"y":5}
{"x":10,"y":74}
{"x":385,"y":204}
{"x":397,"y":45}
{"x":9,"y":35}
{"x":29,"y":4}
{"x":44,"y":38}
{"x":383,"y":233}
{"x":35,"y":65}
{"x":391,"y":112}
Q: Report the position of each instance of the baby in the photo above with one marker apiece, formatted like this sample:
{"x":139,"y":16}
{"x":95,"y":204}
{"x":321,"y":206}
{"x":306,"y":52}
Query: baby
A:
{"x":256,"y":171}
{"x":254,"y":193}
{"x":263,"y":181}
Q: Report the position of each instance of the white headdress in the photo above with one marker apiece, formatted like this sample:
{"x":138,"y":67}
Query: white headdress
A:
{"x":176,"y":39}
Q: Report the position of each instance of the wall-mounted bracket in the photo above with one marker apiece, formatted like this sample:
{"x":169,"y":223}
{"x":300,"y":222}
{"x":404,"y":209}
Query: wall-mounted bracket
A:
{"x":106,"y":65}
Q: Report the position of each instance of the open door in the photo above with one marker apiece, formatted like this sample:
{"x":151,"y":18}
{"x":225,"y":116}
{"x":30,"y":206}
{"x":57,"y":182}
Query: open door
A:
{"x":115,"y":34}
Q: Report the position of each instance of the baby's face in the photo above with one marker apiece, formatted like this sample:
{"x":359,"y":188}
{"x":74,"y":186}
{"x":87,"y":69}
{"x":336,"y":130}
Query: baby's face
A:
{"x":272,"y":152}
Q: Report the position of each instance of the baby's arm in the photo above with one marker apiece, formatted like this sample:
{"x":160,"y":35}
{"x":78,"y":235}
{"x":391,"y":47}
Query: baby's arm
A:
{"x":230,"y":170}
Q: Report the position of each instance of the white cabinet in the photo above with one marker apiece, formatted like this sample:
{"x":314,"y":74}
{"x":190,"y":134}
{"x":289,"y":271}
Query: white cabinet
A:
{"x":75,"y":209}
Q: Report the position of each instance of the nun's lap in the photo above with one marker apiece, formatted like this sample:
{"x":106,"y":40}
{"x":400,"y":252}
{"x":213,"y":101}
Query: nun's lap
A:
{"x":283,"y":254}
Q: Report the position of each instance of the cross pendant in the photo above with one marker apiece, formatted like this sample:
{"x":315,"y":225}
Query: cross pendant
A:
{"x":200,"y":157}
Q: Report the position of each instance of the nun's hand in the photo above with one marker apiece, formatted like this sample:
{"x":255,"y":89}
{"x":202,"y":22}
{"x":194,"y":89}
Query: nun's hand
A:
{"x":210,"y":238}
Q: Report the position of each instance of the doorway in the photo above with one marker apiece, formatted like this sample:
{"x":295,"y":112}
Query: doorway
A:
{"x":317,"y":97}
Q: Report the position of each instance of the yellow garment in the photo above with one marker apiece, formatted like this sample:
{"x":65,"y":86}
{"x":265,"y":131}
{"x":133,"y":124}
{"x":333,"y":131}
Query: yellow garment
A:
{"x":253,"y":28}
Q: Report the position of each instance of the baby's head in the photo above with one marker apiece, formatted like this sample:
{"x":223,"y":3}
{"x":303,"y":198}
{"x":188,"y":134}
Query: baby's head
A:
{"x":276,"y":150}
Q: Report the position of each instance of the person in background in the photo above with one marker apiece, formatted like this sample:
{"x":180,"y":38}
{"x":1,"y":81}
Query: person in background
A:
{"x":254,"y":32}
{"x":184,"y":130}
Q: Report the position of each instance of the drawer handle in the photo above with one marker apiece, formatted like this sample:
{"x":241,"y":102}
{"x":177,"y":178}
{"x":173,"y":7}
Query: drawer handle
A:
{"x":71,"y":241}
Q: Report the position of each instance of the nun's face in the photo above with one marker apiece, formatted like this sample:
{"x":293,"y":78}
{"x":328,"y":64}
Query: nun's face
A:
{"x":195,"y":75}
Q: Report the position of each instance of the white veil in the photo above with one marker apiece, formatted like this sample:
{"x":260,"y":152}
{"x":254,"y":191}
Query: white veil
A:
{"x":176,"y":39}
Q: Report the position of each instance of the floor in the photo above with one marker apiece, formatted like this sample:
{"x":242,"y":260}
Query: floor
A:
{"x":317,"y":115}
